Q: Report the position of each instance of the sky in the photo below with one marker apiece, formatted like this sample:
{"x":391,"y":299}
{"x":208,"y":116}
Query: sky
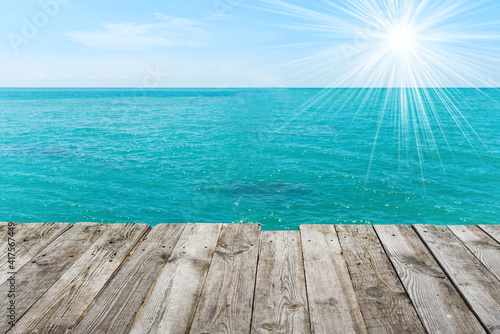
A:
{"x":249,"y":43}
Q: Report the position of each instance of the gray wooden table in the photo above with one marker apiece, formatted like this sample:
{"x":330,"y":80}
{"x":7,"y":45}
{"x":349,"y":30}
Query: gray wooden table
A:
{"x":233,"y":278}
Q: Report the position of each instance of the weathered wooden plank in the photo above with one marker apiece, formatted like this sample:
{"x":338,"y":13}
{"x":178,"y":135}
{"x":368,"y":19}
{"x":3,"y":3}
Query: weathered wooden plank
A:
{"x":3,"y":231}
{"x":226,"y":301}
{"x":38,"y":275}
{"x":486,"y":249}
{"x":172,"y":302}
{"x":4,"y":236}
{"x":383,"y":301}
{"x":332,"y":301}
{"x":117,"y":306}
{"x":59,"y":309}
{"x":476,"y":284}
{"x":438,"y":303}
{"x":492,"y":230}
{"x":280,"y":303}
{"x":30,"y":239}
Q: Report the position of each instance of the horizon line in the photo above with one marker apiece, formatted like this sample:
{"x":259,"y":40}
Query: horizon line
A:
{"x":238,"y":87}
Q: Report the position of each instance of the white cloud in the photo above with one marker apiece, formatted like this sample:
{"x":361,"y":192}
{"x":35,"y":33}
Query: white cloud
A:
{"x":36,"y":76}
{"x":168,"y":32}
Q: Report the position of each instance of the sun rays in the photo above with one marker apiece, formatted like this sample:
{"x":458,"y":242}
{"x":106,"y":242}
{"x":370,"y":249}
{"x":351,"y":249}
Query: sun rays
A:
{"x":422,"y":50}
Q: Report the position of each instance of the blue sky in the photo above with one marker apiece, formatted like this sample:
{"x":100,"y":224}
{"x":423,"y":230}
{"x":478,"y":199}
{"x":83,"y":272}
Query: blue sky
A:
{"x":230,"y":43}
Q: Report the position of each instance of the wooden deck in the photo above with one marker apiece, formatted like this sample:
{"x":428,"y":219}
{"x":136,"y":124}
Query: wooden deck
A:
{"x":216,"y":278}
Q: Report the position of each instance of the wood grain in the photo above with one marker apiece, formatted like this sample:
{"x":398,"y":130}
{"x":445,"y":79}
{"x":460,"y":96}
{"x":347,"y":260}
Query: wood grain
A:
{"x":3,"y":241}
{"x":383,"y":301}
{"x":37,"y":276}
{"x":486,"y":249}
{"x":172,"y":303}
{"x":438,"y":303}
{"x":117,"y":306}
{"x":492,"y":230}
{"x":476,"y":284}
{"x":3,"y":232}
{"x":59,"y":309}
{"x":332,"y":301}
{"x":221,"y":279}
{"x":226,"y":301}
{"x":280,"y":303}
{"x":30,"y":240}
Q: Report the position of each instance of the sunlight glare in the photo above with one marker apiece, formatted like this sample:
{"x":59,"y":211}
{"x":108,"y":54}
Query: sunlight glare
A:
{"x":414,"y":53}
{"x":401,"y":39}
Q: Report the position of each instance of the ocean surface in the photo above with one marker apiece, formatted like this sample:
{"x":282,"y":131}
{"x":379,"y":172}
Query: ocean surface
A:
{"x":278,"y":157}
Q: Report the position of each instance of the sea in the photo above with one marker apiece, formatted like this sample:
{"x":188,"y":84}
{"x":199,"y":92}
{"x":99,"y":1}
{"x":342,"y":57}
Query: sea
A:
{"x":276,"y":157}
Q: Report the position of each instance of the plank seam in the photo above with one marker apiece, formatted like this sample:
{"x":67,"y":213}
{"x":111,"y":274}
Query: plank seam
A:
{"x":110,"y":278}
{"x":332,"y":259}
{"x":255,"y":281}
{"x":401,"y":282}
{"x":490,"y":235}
{"x":154,"y":283}
{"x":29,"y":308}
{"x":190,"y":325}
{"x":473,"y":253}
{"x":350,"y":274}
{"x":50,"y":243}
{"x":305,"y":280}
{"x":451,"y":280}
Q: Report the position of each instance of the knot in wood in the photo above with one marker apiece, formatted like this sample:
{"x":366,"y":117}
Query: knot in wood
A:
{"x":267,"y":327}
{"x":231,"y":250}
{"x":378,"y":294}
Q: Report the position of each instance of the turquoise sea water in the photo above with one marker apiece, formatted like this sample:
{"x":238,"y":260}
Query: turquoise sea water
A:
{"x":279,"y":157}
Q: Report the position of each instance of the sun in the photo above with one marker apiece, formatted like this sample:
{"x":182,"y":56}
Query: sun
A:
{"x":400,"y":38}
